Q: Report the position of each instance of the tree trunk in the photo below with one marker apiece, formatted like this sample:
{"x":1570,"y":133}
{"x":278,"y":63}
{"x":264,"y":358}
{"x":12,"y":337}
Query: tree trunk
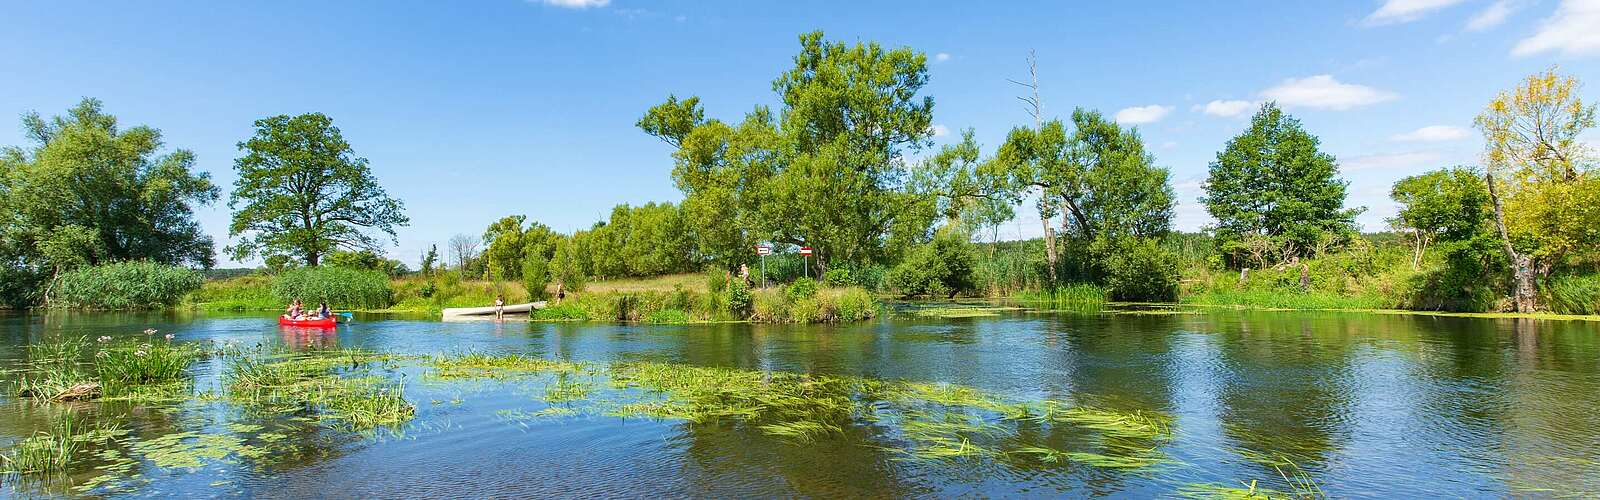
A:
{"x":312,"y":259}
{"x":1523,"y":298}
{"x":1049,"y":246}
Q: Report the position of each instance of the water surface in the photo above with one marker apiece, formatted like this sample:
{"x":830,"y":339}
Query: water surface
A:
{"x":1366,"y":405}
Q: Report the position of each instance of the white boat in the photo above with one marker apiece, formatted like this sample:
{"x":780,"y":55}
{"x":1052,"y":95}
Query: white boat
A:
{"x":481,"y":312}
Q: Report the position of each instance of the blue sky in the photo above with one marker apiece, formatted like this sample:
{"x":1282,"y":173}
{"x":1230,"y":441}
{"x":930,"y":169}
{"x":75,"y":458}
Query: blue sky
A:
{"x":469,"y":111}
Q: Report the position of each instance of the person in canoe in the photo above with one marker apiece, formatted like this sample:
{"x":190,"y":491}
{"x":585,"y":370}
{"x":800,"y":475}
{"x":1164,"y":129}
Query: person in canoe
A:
{"x":323,"y":312}
{"x":295,"y":310}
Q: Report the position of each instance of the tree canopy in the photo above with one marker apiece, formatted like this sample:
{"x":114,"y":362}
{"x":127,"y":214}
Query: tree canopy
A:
{"x":302,"y":191}
{"x":89,"y":192}
{"x":1272,"y":181}
{"x":825,"y":171}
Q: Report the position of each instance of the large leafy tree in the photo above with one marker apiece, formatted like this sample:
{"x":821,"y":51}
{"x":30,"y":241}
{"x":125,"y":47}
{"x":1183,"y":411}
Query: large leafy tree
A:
{"x":88,"y":192}
{"x":1442,"y":205}
{"x":510,"y":240}
{"x":1541,"y":177}
{"x":302,"y":191}
{"x":1271,"y":181}
{"x":825,"y":171}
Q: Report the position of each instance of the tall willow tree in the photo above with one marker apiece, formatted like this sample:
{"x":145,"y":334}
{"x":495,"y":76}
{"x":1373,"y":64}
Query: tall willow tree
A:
{"x":302,"y":191}
{"x":1541,"y":178}
{"x":825,"y":171}
{"x":89,"y":192}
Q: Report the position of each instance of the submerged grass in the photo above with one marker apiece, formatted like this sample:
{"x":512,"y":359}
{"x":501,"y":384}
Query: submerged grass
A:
{"x":927,"y":421}
{"x":331,"y":385}
{"x":152,"y":370}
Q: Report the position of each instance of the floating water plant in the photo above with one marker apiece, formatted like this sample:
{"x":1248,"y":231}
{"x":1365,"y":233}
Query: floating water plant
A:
{"x":324,"y":383}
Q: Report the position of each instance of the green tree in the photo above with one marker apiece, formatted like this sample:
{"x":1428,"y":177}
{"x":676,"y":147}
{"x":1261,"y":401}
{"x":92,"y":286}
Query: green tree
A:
{"x":366,"y":260}
{"x":302,"y":191}
{"x":1541,"y":178}
{"x":509,"y":240}
{"x":566,"y":266}
{"x":430,"y":260}
{"x":1271,"y":181}
{"x":1446,"y":204}
{"x":89,"y":192}
{"x":1113,"y":187}
{"x":940,"y":268}
{"x":658,"y":241}
{"x":826,"y":170}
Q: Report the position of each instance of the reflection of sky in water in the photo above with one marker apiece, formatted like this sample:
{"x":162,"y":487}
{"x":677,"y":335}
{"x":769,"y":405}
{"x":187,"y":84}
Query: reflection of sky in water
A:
{"x":1369,"y":405}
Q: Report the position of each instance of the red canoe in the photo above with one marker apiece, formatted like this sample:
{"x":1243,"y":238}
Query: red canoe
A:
{"x":329,"y":322}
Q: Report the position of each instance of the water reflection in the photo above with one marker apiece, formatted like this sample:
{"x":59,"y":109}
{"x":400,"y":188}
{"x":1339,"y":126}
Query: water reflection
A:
{"x":1368,"y":405}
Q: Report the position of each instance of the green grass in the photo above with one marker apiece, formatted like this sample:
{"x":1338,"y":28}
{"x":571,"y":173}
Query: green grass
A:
{"x":332,"y":384}
{"x":146,"y":370}
{"x":245,"y":293}
{"x":1074,"y":297}
{"x":1286,"y":299}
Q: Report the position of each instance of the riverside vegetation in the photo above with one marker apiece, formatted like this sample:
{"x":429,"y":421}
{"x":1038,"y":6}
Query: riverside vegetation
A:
{"x":824,"y":171}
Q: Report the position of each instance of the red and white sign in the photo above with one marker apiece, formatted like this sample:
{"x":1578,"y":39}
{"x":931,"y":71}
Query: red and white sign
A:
{"x":763,"y":250}
{"x":806,"y":250}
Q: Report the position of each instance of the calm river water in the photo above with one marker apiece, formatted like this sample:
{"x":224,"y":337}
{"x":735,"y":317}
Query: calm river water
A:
{"x":1364,"y":405}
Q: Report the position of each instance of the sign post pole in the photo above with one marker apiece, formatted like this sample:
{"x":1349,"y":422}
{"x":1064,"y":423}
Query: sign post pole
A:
{"x":805,"y":260}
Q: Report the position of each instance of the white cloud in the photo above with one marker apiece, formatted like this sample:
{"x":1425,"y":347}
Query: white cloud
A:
{"x":1138,"y":115}
{"x":939,"y":130}
{"x":941,"y":57}
{"x":1322,"y":91}
{"x":1405,"y":11}
{"x":1224,"y":108}
{"x":575,"y":4}
{"x":1387,"y":160}
{"x":1574,"y":30}
{"x":1169,"y":145}
{"x":1433,"y":133}
{"x":1491,"y":16}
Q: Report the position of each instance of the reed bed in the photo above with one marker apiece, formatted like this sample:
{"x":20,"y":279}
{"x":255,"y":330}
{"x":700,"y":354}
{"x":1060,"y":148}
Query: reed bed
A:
{"x":333,"y":385}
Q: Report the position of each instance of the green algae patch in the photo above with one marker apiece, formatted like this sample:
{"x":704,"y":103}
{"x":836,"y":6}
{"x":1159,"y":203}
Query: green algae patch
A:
{"x":921,"y":421}
{"x":337,"y":386}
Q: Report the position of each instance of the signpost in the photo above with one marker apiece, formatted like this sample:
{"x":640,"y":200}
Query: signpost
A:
{"x":805,"y":260}
{"x":763,"y":250}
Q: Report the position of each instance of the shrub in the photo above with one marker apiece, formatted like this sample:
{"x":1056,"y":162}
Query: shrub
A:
{"x":1138,"y":269}
{"x":837,"y":277}
{"x":340,"y":287}
{"x":802,"y":288}
{"x":561,"y":312}
{"x":125,"y":285}
{"x":940,"y":268}
{"x":244,"y":293}
{"x":854,"y":304}
{"x":737,"y":298}
{"x":536,"y":276}
{"x":769,"y":306}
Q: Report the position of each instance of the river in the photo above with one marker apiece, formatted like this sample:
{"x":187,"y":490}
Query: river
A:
{"x":1348,"y":404}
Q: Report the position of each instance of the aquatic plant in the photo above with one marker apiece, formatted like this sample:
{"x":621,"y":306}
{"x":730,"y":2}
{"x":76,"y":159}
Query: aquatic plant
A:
{"x":324,"y":383}
{"x":124,"y":286}
{"x":1074,"y":297}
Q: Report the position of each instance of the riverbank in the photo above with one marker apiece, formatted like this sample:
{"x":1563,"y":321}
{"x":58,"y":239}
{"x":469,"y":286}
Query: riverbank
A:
{"x":671,"y":299}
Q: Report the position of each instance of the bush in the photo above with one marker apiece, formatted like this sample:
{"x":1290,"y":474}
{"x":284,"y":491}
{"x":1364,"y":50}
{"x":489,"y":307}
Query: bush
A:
{"x":19,"y":286}
{"x":737,"y":298}
{"x":1138,"y":269}
{"x":837,"y":277}
{"x":536,"y":276}
{"x":940,"y":268}
{"x":341,"y":287}
{"x":802,"y":288}
{"x":561,"y":312}
{"x":125,"y":285}
{"x":244,"y":293}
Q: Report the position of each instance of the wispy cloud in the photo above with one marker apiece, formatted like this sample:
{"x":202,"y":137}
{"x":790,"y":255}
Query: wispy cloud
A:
{"x":939,"y":130}
{"x":574,"y":4}
{"x":1324,"y":92}
{"x":1139,"y":115}
{"x":1574,"y":30}
{"x":1405,"y":11}
{"x":1433,"y":133}
{"x":1387,"y":160}
{"x":1224,"y":108}
{"x":941,"y":57}
{"x":1493,"y":15}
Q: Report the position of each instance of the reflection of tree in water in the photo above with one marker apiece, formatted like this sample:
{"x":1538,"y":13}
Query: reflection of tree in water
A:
{"x":1284,"y":390}
{"x":741,"y":461}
